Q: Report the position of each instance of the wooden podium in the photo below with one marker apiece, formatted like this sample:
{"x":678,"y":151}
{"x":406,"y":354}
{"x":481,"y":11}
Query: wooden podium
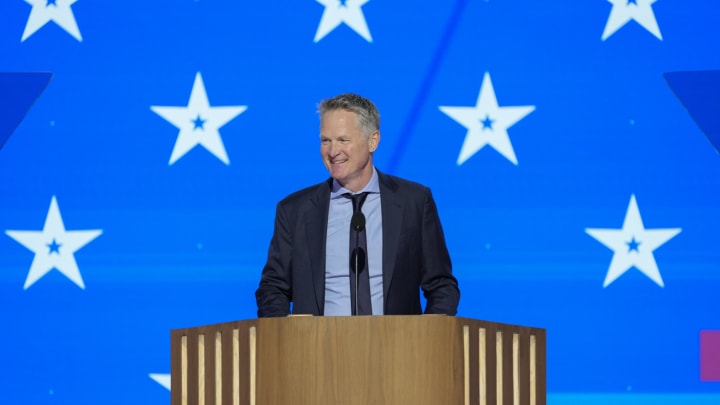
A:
{"x":393,"y":360}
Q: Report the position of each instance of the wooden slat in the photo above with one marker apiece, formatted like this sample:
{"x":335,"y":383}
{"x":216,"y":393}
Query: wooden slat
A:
{"x":508,"y":365}
{"x":533,"y":369}
{"x":491,"y":356}
{"x":192,"y":366}
{"x":239,"y":375}
{"x":183,"y":369}
{"x":499,"y":367}
{"x":201,"y":368}
{"x":541,"y":366}
{"x":252,"y":345}
{"x":227,"y":364}
{"x":516,"y":369}
{"x":482,"y":366}
{"x":524,"y":367}
{"x":466,"y":364}
{"x":175,"y":348}
{"x":217,"y":370}
{"x":474,"y":360}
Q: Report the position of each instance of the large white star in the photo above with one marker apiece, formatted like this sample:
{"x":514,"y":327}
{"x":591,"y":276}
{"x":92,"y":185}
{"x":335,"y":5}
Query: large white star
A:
{"x":633,"y":245}
{"x":199,"y":123}
{"x":162,"y":379}
{"x":625,"y":10}
{"x":338,"y":12}
{"x":487,"y":124}
{"x":44,"y":11}
{"x":54,"y":247}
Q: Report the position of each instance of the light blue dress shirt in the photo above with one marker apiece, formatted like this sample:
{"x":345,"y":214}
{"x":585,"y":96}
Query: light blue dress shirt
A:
{"x":337,"y":248}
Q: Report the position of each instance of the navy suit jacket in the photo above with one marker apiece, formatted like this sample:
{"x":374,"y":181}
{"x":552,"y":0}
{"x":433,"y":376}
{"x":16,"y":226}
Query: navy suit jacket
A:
{"x":414,"y":253}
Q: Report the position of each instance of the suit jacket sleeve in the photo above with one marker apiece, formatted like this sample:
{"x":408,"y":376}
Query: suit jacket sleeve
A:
{"x":438,"y":284}
{"x":274,"y":294}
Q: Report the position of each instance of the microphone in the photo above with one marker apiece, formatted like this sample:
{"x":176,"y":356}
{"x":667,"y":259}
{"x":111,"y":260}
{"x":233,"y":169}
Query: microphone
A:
{"x":357,"y":258}
{"x":358,"y":221}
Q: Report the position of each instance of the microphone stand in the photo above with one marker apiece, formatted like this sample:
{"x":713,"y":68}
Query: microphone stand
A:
{"x":358,"y":224}
{"x":357,"y":264}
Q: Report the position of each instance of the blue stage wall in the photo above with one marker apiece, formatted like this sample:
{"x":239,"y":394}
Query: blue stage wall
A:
{"x":585,"y":200}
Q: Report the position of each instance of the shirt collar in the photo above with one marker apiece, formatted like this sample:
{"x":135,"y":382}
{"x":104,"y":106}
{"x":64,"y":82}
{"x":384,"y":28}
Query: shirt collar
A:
{"x":372,"y":187}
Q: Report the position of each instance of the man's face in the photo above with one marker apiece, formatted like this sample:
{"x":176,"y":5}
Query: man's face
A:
{"x":344,"y":149}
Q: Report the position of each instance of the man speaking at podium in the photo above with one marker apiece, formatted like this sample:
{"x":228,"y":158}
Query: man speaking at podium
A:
{"x":360,"y":243}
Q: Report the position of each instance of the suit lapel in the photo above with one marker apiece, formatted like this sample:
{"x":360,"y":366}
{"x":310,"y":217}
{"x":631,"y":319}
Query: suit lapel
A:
{"x":316,"y":218}
{"x":391,"y":225}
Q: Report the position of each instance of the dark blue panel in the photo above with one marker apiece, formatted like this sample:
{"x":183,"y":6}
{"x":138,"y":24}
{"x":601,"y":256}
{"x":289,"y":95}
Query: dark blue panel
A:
{"x":18,"y":92}
{"x":700,"y":94}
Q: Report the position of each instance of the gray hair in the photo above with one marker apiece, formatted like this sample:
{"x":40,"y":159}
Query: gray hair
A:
{"x":368,"y":117}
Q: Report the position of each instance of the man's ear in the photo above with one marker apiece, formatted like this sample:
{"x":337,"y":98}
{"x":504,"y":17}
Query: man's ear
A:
{"x":374,"y":141}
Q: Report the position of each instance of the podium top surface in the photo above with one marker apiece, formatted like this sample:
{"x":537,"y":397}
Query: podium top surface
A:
{"x":448,"y":321}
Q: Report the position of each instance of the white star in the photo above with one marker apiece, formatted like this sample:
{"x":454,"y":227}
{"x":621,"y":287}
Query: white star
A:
{"x":199,"y":123}
{"x":44,"y":11}
{"x":625,"y":10}
{"x":487,"y":123}
{"x":54,"y":247}
{"x":162,"y":379}
{"x":337,"y":13}
{"x":633,"y":245}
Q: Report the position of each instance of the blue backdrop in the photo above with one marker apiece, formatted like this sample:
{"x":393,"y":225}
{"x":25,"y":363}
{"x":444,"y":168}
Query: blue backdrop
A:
{"x":576,"y":192}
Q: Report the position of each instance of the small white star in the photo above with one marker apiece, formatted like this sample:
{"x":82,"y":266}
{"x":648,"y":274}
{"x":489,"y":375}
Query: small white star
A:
{"x":162,"y":379}
{"x":633,"y":245}
{"x":337,"y":13}
{"x":58,"y":11}
{"x":199,"y":123}
{"x":54,"y":247}
{"x":487,"y":123}
{"x":625,"y":10}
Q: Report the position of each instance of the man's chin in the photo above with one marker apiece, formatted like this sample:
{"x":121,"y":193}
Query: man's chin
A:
{"x":339,"y":178}
{"x":338,"y":175}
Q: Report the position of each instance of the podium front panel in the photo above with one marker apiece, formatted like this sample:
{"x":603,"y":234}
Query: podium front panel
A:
{"x":419,"y":360}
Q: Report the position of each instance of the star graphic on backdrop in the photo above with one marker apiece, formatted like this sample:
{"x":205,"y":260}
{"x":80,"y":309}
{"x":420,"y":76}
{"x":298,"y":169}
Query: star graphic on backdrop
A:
{"x":338,"y":12}
{"x":54,"y":247}
{"x":633,"y":245}
{"x":58,"y":11}
{"x":625,"y":10}
{"x":199,"y":123}
{"x":162,"y":379}
{"x":487,"y":124}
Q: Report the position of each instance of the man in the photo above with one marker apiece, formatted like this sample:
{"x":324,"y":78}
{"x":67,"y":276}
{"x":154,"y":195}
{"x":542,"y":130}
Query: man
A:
{"x":309,"y":260}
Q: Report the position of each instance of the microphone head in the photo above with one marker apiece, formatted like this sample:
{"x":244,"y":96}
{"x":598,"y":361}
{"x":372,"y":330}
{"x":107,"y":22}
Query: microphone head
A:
{"x":357,"y":260}
{"x":358,"y":221}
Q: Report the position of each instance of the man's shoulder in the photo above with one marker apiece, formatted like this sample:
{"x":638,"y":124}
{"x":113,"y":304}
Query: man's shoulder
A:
{"x":395,"y":183}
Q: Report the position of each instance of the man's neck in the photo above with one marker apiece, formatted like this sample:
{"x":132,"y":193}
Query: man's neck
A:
{"x":359,"y":183}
